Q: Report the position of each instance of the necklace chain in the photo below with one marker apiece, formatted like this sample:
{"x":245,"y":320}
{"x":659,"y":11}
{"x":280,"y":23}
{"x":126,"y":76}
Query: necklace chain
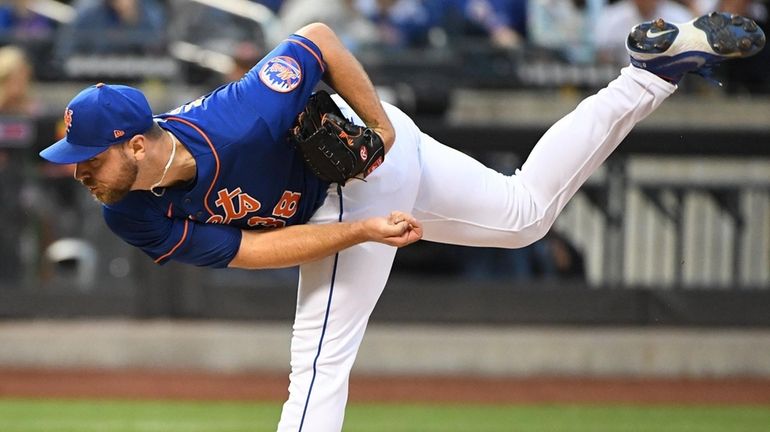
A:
{"x":165,"y":170}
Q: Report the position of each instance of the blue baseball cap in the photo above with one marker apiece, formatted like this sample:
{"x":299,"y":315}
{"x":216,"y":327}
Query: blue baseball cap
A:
{"x":98,"y":117}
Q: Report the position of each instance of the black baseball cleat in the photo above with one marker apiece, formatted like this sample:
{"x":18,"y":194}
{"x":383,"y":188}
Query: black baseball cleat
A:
{"x":672,"y":50}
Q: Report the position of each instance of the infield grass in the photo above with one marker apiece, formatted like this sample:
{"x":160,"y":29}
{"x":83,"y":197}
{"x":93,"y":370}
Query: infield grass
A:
{"x":32,"y":415}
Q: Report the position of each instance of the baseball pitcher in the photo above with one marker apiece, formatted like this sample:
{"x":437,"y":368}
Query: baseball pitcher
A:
{"x":263,"y":173}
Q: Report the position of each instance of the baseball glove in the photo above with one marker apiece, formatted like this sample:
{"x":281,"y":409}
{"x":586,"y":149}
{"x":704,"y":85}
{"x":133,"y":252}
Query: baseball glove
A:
{"x":334,"y":148}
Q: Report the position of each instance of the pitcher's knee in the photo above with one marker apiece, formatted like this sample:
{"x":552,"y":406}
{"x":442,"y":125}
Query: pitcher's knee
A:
{"x":530,"y":234}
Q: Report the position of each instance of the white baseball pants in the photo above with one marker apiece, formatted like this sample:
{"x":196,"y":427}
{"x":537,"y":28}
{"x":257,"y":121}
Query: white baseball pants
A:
{"x":459,"y":201}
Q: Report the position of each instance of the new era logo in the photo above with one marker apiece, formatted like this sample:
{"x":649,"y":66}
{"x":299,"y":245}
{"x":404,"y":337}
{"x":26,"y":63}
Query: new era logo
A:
{"x":118,"y":133}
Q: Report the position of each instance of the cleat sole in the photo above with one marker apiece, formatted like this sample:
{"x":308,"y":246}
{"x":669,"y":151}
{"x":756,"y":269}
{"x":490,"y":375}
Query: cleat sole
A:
{"x":672,"y":50}
{"x":652,"y":37}
{"x":745,"y":44}
{"x":731,"y":35}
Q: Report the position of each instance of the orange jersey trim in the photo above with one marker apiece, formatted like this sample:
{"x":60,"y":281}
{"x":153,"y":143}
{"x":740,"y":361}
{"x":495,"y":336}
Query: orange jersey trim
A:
{"x":216,"y":159}
{"x":303,"y":45}
{"x":184,"y":236}
{"x":168,"y":212}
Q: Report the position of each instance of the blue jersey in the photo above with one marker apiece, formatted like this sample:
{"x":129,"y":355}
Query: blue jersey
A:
{"x":248,"y":175}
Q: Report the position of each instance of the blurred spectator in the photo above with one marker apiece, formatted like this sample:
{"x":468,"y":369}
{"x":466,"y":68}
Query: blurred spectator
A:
{"x":220,"y":32}
{"x":353,"y":29}
{"x":568,"y":261}
{"x":618,"y":18}
{"x":15,"y":77}
{"x":45,"y":206}
{"x":273,"y":5}
{"x":553,"y":257}
{"x":19,"y":23}
{"x":750,"y":75}
{"x":245,"y":56}
{"x":565,"y":27}
{"x":114,"y":27}
{"x":400,"y":23}
{"x":701,"y":7}
{"x":15,"y":101}
{"x":21,"y":26}
{"x":15,"y":74}
{"x":413,"y":23}
{"x":503,"y":22}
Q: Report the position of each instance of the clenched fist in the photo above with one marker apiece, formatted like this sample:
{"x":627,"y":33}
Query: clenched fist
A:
{"x":397,"y":229}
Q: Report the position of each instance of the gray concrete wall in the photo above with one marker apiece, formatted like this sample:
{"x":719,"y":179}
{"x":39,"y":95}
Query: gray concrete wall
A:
{"x":392,"y":349}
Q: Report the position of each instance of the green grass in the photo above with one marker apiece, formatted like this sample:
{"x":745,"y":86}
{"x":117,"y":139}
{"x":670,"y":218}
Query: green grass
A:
{"x":21,"y":415}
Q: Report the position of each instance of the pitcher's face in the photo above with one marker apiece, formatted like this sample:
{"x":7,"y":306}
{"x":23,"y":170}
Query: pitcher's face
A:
{"x":109,"y":175}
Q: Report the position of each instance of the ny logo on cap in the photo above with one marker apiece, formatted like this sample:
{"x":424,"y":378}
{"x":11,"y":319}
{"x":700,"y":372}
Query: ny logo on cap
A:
{"x":68,"y":118}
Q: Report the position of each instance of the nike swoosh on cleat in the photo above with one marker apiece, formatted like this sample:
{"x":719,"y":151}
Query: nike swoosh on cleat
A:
{"x":652,"y":35}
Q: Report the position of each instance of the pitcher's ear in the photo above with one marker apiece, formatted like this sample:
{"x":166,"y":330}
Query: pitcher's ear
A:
{"x":137,"y":146}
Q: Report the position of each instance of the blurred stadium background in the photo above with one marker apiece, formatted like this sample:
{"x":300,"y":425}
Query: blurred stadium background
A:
{"x":655,"y":278}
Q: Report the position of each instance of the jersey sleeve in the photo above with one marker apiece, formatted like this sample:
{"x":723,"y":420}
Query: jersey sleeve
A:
{"x":279,"y":86}
{"x":183,"y":240}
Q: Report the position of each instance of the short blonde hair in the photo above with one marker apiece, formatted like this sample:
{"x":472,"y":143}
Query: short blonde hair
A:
{"x":11,"y":59}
